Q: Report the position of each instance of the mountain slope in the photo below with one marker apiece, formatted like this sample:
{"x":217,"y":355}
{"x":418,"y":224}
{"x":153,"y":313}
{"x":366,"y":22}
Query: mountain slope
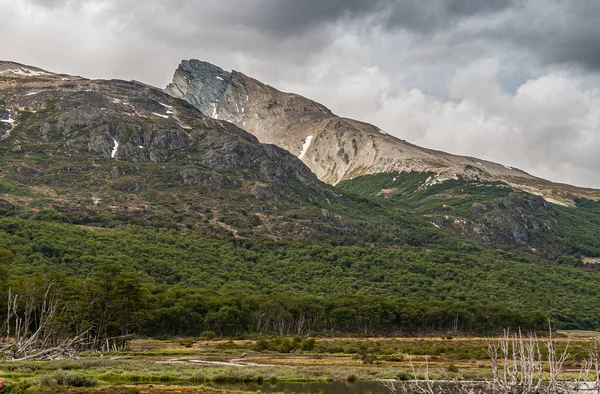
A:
{"x":338,"y":148}
{"x":110,"y":153}
{"x":119,"y":152}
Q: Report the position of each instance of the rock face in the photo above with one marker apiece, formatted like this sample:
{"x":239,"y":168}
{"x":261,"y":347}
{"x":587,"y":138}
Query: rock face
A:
{"x":336,"y":148}
{"x":201,"y":83}
{"x":510,"y":222}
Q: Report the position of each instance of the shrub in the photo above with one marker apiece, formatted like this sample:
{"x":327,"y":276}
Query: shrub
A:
{"x":75,"y":380}
{"x":368,"y":358}
{"x":188,"y":343}
{"x":309,"y":344}
{"x":47,"y":381}
{"x":228,"y":346}
{"x":404,"y":376}
{"x":208,"y":335}
{"x":16,"y":388}
{"x":261,"y":345}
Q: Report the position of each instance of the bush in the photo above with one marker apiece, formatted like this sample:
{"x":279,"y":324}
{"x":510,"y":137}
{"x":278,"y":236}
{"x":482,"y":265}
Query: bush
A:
{"x":228,"y":346}
{"x":309,"y":344}
{"x":452,"y":368}
{"x":404,"y":376}
{"x":283,"y":345}
{"x":208,"y":335}
{"x":47,"y":381}
{"x":188,"y":343}
{"x":75,"y":380}
{"x":261,"y":345}
{"x":368,"y":358}
{"x":395,"y":358}
{"x":16,"y":388}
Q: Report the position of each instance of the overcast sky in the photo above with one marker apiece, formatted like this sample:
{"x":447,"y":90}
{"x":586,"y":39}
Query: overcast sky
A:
{"x":513,"y":81}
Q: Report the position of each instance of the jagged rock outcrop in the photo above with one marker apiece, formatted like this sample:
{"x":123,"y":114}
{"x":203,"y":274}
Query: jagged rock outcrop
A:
{"x":337,"y":148}
{"x":203,"y":84}
{"x":511,"y":221}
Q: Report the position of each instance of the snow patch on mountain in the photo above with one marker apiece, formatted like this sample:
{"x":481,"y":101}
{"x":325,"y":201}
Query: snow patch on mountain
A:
{"x":25,"y":72}
{"x":305,"y":147}
{"x":115,"y":149}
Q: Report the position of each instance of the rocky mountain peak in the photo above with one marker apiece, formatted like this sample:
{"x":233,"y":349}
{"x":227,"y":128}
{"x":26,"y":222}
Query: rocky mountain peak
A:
{"x":200,"y":83}
{"x":333,"y":147}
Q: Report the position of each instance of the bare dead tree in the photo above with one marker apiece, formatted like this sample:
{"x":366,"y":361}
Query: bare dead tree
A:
{"x":35,"y":328}
{"x":589,"y":375}
{"x":518,"y":367}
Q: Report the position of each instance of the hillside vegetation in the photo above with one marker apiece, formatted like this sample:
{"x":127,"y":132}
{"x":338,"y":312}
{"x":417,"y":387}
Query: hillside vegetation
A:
{"x":184,"y":284}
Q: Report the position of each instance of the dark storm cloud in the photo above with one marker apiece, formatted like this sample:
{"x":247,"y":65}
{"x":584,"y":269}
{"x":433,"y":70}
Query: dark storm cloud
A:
{"x":556,"y":31}
{"x":293,"y":17}
{"x":559,"y":32}
{"x":430,"y":16}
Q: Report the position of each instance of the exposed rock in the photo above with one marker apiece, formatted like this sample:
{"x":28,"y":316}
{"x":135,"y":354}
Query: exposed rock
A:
{"x":200,"y":83}
{"x":129,"y":184}
{"x":195,"y":176}
{"x":511,"y":221}
{"x":262,"y":191}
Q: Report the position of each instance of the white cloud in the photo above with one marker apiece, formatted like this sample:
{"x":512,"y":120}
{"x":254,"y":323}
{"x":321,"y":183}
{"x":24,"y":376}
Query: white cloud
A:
{"x":549,"y":127}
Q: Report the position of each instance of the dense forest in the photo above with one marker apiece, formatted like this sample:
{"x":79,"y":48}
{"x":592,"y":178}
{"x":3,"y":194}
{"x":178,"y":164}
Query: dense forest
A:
{"x":164,"y":283}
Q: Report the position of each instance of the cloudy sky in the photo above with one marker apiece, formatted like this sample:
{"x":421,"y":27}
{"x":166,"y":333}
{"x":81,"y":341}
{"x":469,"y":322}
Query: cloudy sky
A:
{"x":513,"y":81}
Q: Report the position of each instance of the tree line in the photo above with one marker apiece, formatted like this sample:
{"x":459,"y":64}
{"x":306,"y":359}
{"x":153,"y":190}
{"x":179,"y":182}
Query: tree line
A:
{"x":113,"y":304}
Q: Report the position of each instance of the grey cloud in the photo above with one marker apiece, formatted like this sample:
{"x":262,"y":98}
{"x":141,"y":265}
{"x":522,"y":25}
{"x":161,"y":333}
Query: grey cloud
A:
{"x":559,"y":32}
{"x":295,"y":17}
{"x":430,"y":16}
{"x":56,"y":4}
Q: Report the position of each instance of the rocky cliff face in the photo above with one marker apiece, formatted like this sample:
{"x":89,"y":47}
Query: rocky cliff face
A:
{"x":510,"y":221}
{"x":201,"y":83}
{"x":336,"y":148}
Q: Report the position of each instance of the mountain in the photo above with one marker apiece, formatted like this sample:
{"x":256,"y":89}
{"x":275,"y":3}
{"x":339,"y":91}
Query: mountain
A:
{"x":189,"y":215}
{"x":337,"y":148}
{"x":104,"y":154}
{"x":109,"y":153}
{"x":101,"y":152}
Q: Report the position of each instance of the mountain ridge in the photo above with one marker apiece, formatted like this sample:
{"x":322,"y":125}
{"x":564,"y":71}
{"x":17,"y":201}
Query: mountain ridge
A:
{"x":337,"y":148}
{"x":109,"y":150}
